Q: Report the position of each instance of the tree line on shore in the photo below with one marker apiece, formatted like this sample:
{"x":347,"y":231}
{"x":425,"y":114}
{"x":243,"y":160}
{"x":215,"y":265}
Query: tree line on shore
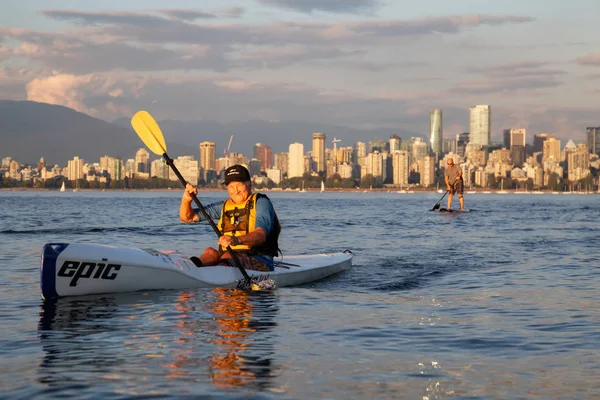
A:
{"x":307,"y":181}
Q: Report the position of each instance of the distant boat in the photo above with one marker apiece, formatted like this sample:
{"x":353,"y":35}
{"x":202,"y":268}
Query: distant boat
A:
{"x":302,"y":187}
{"x":62,"y":188}
{"x":322,"y":186}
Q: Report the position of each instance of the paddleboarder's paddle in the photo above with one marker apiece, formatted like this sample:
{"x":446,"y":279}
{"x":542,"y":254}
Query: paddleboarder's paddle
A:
{"x":437,"y":205}
{"x":148,"y":130}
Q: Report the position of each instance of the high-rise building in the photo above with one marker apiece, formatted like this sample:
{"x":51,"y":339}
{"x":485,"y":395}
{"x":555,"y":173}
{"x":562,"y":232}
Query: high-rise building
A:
{"x":395,"y":142}
{"x":254,"y":167}
{"x":514,"y":137}
{"x":375,"y":166}
{"x":551,"y":150}
{"x":13,"y":170}
{"x":345,"y":171}
{"x":480,"y":123}
{"x":578,"y":162}
{"x":222,"y":163}
{"x":296,"y":160}
{"x":75,"y":169}
{"x":113,"y":166}
{"x":274,"y":174}
{"x":427,"y":171}
{"x":518,"y":137}
{"x":318,"y":151}
{"x":449,"y":146}
{"x":593,"y":139}
{"x":378,"y":145}
{"x":334,"y":157}
{"x":207,"y":158}
{"x":515,"y":141}
{"x":142,"y":161}
{"x":419,"y":148}
{"x":264,"y":154}
{"x":129,"y":167}
{"x":361,"y":149}
{"x":345,"y":155}
{"x":435,"y":130}
{"x":462,"y":139}
{"x":282,"y":162}
{"x":400,"y":167}
{"x":188,"y":167}
{"x":159,"y":169}
{"x":539,"y":139}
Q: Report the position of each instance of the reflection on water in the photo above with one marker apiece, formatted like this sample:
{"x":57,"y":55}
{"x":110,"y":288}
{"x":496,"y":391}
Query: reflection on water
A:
{"x":235,"y":361}
{"x":495,"y":304}
{"x":221,"y":338}
{"x":69,"y":348}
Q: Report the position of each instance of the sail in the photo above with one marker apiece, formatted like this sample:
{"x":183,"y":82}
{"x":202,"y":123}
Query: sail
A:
{"x":322,"y":186}
{"x":62,"y":188}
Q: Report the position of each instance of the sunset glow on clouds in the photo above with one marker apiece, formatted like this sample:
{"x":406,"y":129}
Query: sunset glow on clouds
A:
{"x":358,"y":63}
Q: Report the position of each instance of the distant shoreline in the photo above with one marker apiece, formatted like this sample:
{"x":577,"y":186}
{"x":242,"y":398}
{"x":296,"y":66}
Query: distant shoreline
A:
{"x":316,"y":190}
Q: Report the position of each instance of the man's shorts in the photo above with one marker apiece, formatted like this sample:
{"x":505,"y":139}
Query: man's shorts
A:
{"x":458,"y":188}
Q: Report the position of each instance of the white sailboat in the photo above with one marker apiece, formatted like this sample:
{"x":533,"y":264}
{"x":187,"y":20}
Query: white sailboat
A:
{"x":322,"y":186}
{"x":62,"y":188}
{"x":303,"y":190}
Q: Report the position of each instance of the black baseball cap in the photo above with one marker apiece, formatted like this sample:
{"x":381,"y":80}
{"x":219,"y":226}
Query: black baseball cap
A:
{"x":236,"y":173}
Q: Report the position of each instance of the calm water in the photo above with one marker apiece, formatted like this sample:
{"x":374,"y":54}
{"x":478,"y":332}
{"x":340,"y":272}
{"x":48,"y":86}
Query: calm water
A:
{"x":499,"y":303}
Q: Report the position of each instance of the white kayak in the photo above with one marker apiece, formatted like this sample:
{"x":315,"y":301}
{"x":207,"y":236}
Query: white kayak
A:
{"x":75,"y":269}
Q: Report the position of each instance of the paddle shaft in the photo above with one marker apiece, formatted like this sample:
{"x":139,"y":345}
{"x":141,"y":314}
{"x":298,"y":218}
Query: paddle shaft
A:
{"x":437,"y":205}
{"x":232,"y":253}
{"x":440,"y":200}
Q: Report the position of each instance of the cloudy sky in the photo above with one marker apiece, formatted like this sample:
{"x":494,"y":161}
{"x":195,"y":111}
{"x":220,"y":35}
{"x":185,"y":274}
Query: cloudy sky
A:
{"x":357,"y":63}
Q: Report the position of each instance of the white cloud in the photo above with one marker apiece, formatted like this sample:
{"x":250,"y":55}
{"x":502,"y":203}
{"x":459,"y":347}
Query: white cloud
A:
{"x":356,"y":72}
{"x":60,"y":89}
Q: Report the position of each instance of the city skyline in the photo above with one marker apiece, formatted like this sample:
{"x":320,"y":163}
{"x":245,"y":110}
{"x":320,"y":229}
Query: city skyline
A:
{"x":359,"y":63}
{"x":511,"y":137}
{"x":546,"y":163}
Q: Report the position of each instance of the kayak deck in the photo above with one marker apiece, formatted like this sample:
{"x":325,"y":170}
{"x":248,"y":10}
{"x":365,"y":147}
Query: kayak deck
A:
{"x":72,"y":269}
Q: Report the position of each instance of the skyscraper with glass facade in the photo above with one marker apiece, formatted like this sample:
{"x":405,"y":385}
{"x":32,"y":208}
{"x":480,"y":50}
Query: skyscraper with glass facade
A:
{"x":480,"y":124}
{"x":435,"y":130}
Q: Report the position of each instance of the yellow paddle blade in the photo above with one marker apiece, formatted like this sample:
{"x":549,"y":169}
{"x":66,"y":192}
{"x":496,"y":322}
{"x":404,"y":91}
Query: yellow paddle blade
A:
{"x":147,"y":129}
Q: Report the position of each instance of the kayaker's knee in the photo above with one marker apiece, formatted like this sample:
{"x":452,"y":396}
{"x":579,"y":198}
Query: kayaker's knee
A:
{"x":210,"y":256}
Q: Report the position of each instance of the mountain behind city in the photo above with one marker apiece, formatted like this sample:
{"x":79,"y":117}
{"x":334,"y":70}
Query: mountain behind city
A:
{"x":31,"y":130}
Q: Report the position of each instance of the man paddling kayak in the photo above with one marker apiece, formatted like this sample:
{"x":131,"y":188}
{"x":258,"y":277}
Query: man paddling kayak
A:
{"x":453,"y":174}
{"x":248,"y":222}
